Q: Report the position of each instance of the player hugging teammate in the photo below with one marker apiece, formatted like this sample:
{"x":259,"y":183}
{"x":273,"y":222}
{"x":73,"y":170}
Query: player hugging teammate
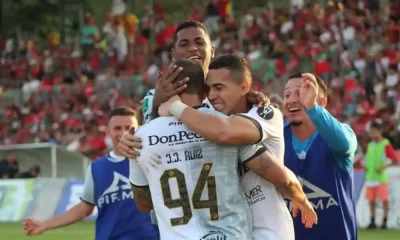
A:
{"x":187,"y":194}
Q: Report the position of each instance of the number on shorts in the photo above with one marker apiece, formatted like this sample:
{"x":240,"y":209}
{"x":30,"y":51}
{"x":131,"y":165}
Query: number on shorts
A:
{"x":183,"y":201}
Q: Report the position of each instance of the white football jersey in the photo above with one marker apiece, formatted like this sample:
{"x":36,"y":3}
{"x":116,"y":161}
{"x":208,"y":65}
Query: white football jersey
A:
{"x":147,"y":105}
{"x":196,"y":190}
{"x":271,"y":217}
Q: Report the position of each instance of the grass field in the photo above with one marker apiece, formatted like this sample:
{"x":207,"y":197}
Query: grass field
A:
{"x":85,"y":231}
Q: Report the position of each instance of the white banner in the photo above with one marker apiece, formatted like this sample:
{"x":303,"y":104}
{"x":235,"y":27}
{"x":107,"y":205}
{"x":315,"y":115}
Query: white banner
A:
{"x":15,"y":198}
{"x":363,"y":212}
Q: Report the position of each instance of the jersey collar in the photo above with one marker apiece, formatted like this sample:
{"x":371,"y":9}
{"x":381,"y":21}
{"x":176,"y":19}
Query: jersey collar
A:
{"x":115,"y":158}
{"x":201,"y":106}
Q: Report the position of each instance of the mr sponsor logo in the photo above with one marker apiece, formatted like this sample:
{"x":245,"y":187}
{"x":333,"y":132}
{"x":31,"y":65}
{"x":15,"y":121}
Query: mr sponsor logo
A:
{"x":255,"y":195}
{"x":214,"y":235}
{"x":118,"y":190}
{"x":319,"y":199}
{"x":182,"y":137}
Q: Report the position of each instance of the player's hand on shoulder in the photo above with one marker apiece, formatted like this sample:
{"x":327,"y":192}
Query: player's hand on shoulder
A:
{"x":152,"y":160}
{"x":308,"y":215}
{"x":258,"y":98}
{"x":166,"y":86}
{"x":34,"y":227}
{"x":164,"y":108}
{"x":129,"y":144}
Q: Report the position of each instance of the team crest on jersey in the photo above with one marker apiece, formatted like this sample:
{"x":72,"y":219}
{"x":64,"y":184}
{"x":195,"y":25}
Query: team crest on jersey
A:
{"x":214,"y":235}
{"x":266,"y":112}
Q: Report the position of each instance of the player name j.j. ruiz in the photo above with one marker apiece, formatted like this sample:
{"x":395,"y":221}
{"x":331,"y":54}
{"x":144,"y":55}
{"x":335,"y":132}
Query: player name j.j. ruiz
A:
{"x":182,"y":137}
{"x":318,"y":198}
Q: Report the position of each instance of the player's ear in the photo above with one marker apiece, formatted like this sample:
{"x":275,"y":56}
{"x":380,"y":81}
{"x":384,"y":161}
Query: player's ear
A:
{"x":245,"y":86}
{"x":322,"y":101}
{"x":212,"y":52}
{"x":172,"y":52}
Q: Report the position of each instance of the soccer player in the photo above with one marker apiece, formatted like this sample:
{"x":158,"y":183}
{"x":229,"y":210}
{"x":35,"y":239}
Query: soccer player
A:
{"x":191,"y":41}
{"x":320,"y":151}
{"x":106,"y":187}
{"x":229,"y":80}
{"x":189,"y":158}
{"x":380,"y":155}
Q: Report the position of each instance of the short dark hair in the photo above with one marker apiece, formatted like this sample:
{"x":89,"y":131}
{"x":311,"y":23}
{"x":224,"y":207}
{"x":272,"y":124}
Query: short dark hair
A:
{"x":377,"y":125}
{"x":189,"y":24}
{"x":237,"y":66}
{"x":122,"y":111}
{"x":321,"y":83}
{"x":195,"y":73}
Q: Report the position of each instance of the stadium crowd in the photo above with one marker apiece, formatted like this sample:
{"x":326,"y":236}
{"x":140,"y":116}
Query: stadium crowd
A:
{"x":64,"y":94}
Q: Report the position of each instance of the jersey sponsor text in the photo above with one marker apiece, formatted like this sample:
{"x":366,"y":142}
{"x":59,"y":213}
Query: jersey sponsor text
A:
{"x":319,"y":199}
{"x":118,"y":190}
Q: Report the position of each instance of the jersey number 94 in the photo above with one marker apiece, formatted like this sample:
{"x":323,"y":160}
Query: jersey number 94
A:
{"x":184,"y":201}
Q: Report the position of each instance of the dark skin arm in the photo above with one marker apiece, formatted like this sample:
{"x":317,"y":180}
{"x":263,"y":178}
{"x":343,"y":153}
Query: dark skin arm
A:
{"x":142,"y":198}
{"x":166,"y":87}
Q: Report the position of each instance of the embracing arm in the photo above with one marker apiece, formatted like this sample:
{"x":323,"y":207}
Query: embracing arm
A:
{"x":140,"y":187}
{"x":142,"y":198}
{"x":266,"y":165}
{"x":234,"y":130}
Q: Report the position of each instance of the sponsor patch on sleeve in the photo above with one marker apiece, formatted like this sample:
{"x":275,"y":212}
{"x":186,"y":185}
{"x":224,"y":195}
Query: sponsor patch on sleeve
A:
{"x":266,"y":112}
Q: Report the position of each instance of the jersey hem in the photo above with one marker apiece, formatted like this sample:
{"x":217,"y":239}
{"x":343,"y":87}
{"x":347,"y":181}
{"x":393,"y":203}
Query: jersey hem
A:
{"x":256,"y":154}
{"x":139,"y":186}
{"x":92,"y":204}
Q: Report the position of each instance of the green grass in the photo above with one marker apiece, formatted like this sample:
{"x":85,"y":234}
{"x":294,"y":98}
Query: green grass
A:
{"x":85,"y":231}
{"x":81,"y":231}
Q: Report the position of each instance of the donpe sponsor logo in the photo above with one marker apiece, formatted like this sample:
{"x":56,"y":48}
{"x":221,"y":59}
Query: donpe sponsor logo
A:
{"x":179,"y":138}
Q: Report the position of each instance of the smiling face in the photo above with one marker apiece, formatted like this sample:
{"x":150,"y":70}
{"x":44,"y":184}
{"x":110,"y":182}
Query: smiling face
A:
{"x":195,"y":44}
{"x":118,"y":126}
{"x":292,"y":108}
{"x":225,"y":94}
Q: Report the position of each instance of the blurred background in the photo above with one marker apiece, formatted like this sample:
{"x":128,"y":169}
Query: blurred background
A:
{"x":65,"y":63}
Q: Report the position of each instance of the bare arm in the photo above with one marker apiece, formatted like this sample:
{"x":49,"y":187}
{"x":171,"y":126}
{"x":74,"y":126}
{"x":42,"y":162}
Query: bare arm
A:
{"x":267,"y":166}
{"x":79,"y":211}
{"x":142,"y":198}
{"x":234,"y":130}
{"x":73,"y":215}
{"x":140,"y":187}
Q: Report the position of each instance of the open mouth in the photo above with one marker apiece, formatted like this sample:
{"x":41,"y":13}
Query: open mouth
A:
{"x":218,"y":106}
{"x":195,"y":58}
{"x":293,"y":110}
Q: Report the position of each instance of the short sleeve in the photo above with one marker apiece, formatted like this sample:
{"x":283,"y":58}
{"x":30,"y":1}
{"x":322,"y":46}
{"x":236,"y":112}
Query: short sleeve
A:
{"x":147,"y":106}
{"x":136,"y":175}
{"x":251,"y":151}
{"x":268,"y":120}
{"x":88,"y":188}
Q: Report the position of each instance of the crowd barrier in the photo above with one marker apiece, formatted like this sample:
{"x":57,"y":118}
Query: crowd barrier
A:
{"x":44,"y":197}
